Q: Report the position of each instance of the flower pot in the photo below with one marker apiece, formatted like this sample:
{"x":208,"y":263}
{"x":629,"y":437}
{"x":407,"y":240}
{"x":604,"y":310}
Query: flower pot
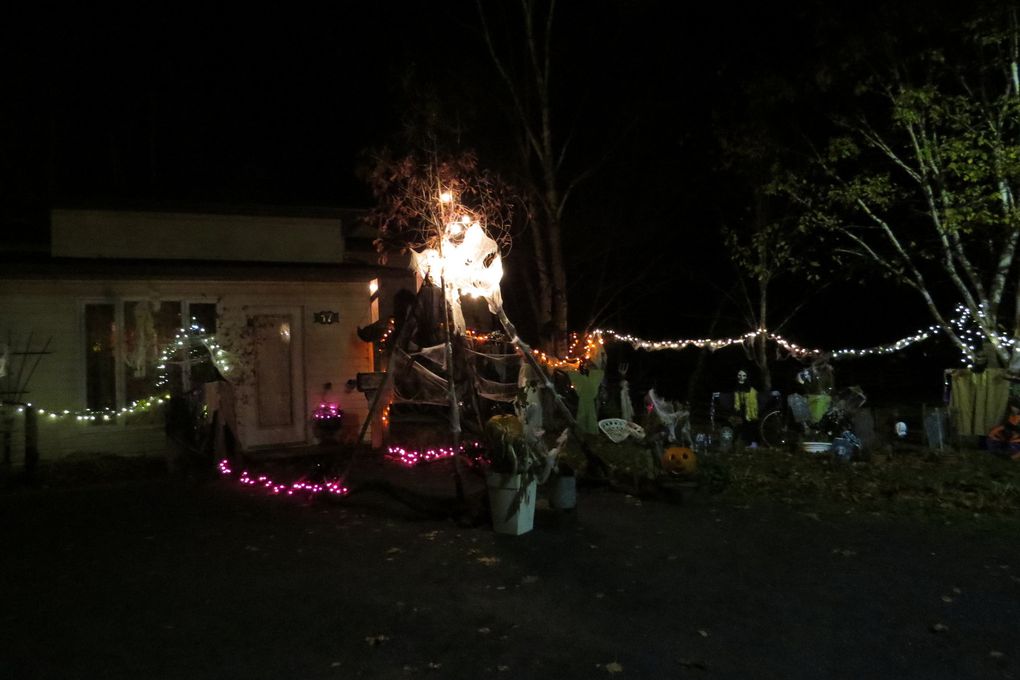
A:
{"x":503,"y":489}
{"x":564,"y":493}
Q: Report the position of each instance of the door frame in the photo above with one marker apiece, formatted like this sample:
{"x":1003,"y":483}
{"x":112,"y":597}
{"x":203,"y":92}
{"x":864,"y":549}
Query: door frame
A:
{"x":297,"y":432}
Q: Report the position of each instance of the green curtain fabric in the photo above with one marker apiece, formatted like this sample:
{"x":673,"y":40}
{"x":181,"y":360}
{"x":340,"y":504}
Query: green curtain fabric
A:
{"x":587,"y":388}
{"x":978,"y":400}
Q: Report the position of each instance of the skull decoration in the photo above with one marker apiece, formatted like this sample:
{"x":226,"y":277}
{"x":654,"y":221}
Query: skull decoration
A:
{"x":741,"y":377}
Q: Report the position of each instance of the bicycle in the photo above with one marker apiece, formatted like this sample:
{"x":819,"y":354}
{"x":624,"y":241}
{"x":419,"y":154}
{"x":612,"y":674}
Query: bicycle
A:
{"x":774,"y":428}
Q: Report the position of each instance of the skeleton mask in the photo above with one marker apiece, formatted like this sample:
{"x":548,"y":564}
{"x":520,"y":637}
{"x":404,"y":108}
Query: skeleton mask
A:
{"x":741,"y":377}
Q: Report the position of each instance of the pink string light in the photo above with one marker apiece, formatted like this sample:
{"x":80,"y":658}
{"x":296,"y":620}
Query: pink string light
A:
{"x":332,"y":487}
{"x":410,"y":458}
{"x":407,"y":458}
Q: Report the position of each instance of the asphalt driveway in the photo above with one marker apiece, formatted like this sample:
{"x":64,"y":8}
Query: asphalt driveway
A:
{"x":208,"y":579}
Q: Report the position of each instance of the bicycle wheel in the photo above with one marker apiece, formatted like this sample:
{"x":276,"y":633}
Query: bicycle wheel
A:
{"x":772,"y":429}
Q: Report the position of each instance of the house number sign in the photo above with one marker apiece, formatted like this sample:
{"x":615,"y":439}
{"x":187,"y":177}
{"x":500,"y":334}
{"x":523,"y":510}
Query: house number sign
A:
{"x":327,"y":317}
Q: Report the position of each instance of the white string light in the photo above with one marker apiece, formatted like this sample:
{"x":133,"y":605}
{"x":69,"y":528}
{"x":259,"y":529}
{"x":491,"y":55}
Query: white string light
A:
{"x":185,"y":337}
{"x":791,"y":347}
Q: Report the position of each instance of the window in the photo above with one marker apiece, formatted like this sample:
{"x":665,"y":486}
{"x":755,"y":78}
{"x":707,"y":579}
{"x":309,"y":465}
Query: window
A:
{"x":124,"y":341}
{"x":100,"y":357}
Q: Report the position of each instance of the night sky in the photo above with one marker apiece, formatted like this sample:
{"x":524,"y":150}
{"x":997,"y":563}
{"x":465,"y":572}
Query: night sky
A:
{"x":279,"y":108}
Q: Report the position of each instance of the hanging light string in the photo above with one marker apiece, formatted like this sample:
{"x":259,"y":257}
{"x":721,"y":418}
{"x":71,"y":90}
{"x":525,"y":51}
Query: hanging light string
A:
{"x":583,"y":347}
{"x":333,"y":487}
{"x":968,"y":329}
{"x":792,"y":348}
{"x":184,"y":339}
{"x":187,"y":340}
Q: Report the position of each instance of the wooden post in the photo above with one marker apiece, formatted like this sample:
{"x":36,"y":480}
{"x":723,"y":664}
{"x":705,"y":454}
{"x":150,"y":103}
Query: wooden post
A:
{"x":31,"y":443}
{"x":451,"y":383}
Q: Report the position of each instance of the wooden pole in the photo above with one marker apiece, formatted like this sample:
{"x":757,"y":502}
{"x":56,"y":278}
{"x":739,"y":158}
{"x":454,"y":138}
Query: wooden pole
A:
{"x":508,"y":326}
{"x":451,"y":383}
{"x":391,"y":363}
{"x":31,"y":443}
{"x":593,"y":461}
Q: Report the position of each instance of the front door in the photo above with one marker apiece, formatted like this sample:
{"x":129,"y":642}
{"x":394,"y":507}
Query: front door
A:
{"x":276,"y":401}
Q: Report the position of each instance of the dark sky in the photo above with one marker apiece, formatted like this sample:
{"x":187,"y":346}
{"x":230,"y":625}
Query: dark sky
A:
{"x":259,"y":107}
{"x":275,"y":107}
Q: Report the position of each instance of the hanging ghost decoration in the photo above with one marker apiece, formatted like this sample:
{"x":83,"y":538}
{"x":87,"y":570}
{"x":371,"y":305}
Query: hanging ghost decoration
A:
{"x":467,"y":262}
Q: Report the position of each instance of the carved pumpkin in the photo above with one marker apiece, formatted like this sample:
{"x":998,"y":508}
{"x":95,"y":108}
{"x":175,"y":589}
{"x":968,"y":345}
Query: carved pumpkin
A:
{"x":680,"y":460}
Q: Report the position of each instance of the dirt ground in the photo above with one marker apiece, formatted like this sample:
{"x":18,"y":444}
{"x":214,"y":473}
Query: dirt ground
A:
{"x":204,"y":578}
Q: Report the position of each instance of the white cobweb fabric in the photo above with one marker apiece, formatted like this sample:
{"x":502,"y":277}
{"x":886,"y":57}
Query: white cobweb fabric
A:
{"x":467,"y":261}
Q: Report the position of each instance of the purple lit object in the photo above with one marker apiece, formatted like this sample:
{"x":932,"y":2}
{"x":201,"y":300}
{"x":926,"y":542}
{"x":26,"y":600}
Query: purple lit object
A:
{"x":410,"y":458}
{"x":332,"y":487}
{"x":328,"y":412}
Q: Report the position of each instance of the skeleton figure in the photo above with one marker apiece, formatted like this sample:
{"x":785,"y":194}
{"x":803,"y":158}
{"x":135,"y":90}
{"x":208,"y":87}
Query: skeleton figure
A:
{"x":745,"y":406}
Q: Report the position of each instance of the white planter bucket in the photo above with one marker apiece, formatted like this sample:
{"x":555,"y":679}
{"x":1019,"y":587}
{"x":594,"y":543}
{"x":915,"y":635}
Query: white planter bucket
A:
{"x":502,"y":490}
{"x":564,"y":493}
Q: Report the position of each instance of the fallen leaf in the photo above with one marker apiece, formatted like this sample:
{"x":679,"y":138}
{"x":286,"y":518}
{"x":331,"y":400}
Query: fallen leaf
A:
{"x":995,"y":654}
{"x":335,"y":664}
{"x":489,"y":561}
{"x":393,"y":551}
{"x":502,"y":669}
{"x":435,"y":666}
{"x":529,"y":580}
{"x":376,"y":640}
{"x":939,"y":628}
{"x":614,"y":667}
{"x":702,"y":633}
{"x":947,"y":598}
{"x":687,"y":663}
{"x":599,"y":595}
{"x":484,"y":630}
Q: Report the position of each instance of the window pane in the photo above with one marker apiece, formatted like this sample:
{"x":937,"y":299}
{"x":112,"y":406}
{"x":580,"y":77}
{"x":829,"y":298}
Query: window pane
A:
{"x":204,"y":314}
{"x":149,"y":327}
{"x":202,"y":369}
{"x":100,"y":343}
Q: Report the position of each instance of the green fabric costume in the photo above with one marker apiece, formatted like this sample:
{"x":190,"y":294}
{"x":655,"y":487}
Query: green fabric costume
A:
{"x":587,"y":388}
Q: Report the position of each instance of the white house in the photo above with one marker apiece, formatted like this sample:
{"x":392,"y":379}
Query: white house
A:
{"x":91,"y":323}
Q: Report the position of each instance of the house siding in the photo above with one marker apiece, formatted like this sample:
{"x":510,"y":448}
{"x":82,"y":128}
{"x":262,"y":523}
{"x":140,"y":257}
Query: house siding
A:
{"x":53,"y":309}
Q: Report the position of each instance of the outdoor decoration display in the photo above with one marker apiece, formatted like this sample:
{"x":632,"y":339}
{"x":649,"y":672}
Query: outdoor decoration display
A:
{"x":332,"y":487}
{"x":618,"y":429}
{"x":1004,"y":438}
{"x":327,"y":420}
{"x":745,"y":406}
{"x":518,"y":462}
{"x":680,"y":460}
{"x":626,"y":406}
{"x":674,"y":416}
{"x":585,"y":381}
{"x":978,"y":399}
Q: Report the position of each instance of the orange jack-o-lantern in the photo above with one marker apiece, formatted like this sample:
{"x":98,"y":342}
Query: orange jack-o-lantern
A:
{"x":680,"y":460}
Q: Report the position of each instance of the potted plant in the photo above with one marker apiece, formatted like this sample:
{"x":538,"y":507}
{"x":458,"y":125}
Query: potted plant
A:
{"x":327,"y":418}
{"x":517,"y":463}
